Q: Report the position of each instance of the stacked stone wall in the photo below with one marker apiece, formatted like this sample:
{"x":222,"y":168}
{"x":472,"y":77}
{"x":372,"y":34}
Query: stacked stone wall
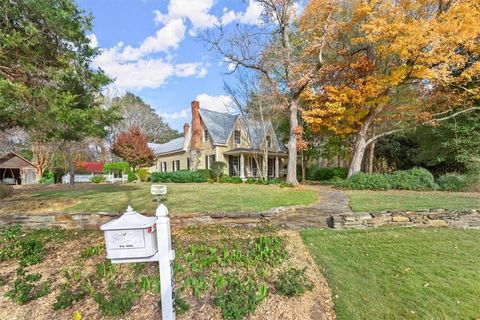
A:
{"x":467,"y":219}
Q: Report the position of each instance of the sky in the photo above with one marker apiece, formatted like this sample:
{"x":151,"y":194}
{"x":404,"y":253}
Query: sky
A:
{"x":151,"y":48}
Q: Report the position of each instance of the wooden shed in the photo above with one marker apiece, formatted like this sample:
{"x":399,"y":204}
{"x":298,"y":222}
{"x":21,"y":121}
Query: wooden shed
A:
{"x":15,"y":169}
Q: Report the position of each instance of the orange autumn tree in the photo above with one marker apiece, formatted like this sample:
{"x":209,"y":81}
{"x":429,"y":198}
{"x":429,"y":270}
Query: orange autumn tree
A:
{"x":391,"y":65}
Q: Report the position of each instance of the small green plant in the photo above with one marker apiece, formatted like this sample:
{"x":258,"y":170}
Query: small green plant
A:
{"x":217,"y":169}
{"x":25,"y":287}
{"x":117,"y":300}
{"x":31,"y":251}
{"x":198,"y":284}
{"x":131,"y":176}
{"x":97,"y":179}
{"x":92,"y":251}
{"x":150,"y":283}
{"x":47,"y":178}
{"x":105,"y":269}
{"x":142,"y":174}
{"x":239,"y":297}
{"x":293,"y":282}
{"x":181,"y":306}
{"x":68,"y":296}
{"x":269,"y":249}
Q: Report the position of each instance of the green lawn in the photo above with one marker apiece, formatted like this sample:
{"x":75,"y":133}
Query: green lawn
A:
{"x":400,"y":273}
{"x":370,"y":201}
{"x":181,"y":198}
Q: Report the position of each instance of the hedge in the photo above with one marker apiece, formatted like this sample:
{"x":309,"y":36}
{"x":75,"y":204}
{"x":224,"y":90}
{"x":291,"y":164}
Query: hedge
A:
{"x":181,"y":176}
{"x":325,"y":174}
{"x":412,"y":179}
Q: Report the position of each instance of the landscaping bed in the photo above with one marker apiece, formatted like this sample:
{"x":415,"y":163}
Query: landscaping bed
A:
{"x":181,"y":198}
{"x":220,"y":273}
{"x":409,"y":273}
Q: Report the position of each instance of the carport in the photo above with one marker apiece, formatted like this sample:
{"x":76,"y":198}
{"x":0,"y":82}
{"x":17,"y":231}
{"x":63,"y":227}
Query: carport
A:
{"x":15,"y":169}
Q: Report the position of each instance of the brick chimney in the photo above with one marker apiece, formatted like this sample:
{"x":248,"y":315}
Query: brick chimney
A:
{"x":186,"y":127}
{"x":196,"y":126}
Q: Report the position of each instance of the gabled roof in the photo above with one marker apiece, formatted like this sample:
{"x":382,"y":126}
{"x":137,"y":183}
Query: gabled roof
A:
{"x":14,"y":161}
{"x":89,"y":166}
{"x":168,"y":147}
{"x":219,"y":125}
{"x":257,"y":132}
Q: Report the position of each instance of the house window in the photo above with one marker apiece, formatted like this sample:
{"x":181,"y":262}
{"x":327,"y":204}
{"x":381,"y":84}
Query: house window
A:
{"x":188,"y":163}
{"x":176,"y":165}
{"x":236,"y":137}
{"x":205,"y":135}
{"x":269,"y":142}
{"x":209,"y":160}
{"x":163,"y":166}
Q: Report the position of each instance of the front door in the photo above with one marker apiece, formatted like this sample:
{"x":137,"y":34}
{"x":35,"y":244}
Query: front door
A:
{"x":234,"y":166}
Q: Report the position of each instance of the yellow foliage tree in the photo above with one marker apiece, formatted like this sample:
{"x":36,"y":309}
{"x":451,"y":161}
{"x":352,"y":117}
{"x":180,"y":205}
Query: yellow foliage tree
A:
{"x":391,"y":65}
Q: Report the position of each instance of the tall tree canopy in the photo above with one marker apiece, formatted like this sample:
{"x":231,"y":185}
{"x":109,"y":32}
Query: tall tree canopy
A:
{"x":274,"y":50}
{"x":136,"y":113}
{"x":39,"y":42}
{"x":391,"y":65}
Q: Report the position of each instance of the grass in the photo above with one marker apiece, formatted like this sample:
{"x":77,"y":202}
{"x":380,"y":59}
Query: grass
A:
{"x":370,"y":201}
{"x":181,"y":198}
{"x":400,"y":273}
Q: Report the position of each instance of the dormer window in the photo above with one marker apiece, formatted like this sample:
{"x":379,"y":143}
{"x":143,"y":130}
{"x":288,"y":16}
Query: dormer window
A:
{"x":269,"y":142}
{"x":205,"y":135}
{"x":237,"y":137}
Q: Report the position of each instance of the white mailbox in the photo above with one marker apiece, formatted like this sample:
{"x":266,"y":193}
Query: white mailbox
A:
{"x":132,"y":236}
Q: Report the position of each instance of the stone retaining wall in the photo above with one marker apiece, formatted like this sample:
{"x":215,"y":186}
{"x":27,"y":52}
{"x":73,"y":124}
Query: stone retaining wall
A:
{"x":94,"y":220}
{"x":467,"y":219}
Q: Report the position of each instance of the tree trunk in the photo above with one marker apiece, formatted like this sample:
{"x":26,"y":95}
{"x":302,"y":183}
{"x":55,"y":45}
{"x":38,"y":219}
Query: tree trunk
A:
{"x":292,"y":144}
{"x":371,"y":156}
{"x":360,"y":147}
{"x":67,"y":149}
{"x":303,"y":166}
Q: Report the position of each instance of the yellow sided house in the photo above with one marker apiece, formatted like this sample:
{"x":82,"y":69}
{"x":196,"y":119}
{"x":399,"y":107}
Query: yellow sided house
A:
{"x":249,"y":147}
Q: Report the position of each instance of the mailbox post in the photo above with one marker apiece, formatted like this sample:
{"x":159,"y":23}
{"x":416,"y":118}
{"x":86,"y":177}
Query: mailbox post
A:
{"x":137,"y":238}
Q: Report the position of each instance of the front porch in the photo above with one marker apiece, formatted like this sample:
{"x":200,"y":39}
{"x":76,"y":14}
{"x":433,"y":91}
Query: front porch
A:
{"x":248,"y":164}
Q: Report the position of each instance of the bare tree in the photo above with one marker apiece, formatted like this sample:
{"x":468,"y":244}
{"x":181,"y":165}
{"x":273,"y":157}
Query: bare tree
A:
{"x":43,"y":154}
{"x":268,"y":50}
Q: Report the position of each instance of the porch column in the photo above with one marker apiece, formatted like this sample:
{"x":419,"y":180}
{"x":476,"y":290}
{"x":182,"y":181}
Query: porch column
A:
{"x":276,"y":169}
{"x":242,"y":166}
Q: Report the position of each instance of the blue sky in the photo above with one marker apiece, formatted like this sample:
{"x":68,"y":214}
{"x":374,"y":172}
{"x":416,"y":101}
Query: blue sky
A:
{"x":151,"y":49}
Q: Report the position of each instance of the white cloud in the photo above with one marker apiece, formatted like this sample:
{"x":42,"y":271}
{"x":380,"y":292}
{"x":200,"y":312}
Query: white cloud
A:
{"x":220,"y":103}
{"x":147,"y":73}
{"x":251,"y":15}
{"x":136,"y":68}
{"x":93,"y":40}
{"x":196,"y":11}
{"x":182,"y":114}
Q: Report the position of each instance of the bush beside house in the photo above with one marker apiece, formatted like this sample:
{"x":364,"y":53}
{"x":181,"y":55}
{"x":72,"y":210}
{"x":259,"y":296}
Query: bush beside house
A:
{"x":417,"y":179}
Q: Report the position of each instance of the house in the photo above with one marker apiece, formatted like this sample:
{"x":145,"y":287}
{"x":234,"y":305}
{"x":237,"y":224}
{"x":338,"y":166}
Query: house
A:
{"x":15,"y":169}
{"x":240,"y":142}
